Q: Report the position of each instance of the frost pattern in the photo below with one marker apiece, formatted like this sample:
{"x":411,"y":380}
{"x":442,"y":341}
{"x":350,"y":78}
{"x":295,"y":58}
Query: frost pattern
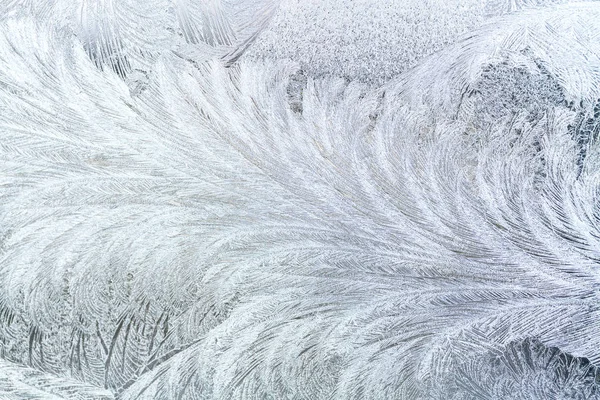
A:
{"x":127,"y":36}
{"x":373,"y":41}
{"x":177,"y":221}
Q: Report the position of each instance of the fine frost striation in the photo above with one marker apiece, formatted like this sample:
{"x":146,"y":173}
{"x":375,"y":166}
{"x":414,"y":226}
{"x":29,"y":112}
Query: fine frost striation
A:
{"x":181,"y":221}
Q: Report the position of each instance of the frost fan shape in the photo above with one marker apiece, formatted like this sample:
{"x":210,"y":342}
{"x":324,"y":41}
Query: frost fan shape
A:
{"x":186,"y":214}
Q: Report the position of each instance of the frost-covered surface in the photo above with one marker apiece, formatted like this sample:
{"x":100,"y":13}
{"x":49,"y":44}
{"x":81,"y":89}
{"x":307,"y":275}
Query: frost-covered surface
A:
{"x":18,"y":383}
{"x":177,"y":221}
{"x":373,"y":41}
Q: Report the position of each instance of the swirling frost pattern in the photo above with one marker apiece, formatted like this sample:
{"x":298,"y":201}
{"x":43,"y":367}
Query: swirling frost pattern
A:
{"x":187,"y":211}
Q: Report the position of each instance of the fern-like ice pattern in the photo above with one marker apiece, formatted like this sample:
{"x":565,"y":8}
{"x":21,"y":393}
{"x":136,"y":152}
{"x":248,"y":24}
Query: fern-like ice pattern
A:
{"x":206,"y":200}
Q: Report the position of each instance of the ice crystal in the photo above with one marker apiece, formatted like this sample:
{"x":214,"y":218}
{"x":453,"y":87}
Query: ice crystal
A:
{"x":299,"y":200}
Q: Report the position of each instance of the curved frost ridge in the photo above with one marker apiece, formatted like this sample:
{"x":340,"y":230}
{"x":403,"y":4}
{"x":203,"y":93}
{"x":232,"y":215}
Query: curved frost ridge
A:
{"x":374,"y":41}
{"x":489,"y":64}
{"x":128,"y":35}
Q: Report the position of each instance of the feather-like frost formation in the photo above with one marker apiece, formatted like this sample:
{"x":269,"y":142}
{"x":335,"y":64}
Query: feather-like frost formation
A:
{"x":192,"y":224}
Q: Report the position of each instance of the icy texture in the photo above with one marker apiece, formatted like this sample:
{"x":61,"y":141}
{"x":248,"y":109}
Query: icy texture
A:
{"x":128,"y":35}
{"x":241,"y":228}
{"x":19,"y":383}
{"x":373,"y":41}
